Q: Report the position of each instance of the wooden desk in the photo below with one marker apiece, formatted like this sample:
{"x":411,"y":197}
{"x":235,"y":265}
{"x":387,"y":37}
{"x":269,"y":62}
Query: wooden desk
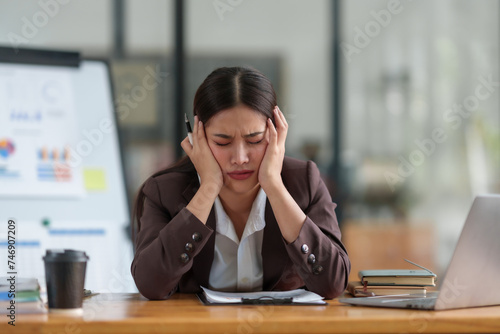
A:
{"x":131,"y":313}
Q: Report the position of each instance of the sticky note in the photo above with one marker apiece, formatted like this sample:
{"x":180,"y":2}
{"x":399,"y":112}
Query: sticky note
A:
{"x":94,"y":179}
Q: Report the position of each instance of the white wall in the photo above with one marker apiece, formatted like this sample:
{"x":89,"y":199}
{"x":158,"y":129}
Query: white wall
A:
{"x":63,"y":24}
{"x":149,"y":27}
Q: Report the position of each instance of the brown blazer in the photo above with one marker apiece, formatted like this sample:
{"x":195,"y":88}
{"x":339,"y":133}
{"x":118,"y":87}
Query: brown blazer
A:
{"x":175,"y":250}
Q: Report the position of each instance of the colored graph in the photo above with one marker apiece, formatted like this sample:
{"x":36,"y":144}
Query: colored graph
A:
{"x":6,"y":148}
{"x":53,"y":165}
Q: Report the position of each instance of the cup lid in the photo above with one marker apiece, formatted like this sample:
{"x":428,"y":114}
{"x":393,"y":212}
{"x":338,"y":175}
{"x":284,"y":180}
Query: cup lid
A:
{"x":65,"y":255}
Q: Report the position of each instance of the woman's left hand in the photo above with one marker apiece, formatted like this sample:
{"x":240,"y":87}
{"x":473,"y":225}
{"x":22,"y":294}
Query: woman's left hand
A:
{"x":270,"y":167}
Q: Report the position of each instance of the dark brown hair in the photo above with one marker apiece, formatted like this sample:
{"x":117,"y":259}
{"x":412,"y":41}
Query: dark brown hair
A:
{"x":224,"y":88}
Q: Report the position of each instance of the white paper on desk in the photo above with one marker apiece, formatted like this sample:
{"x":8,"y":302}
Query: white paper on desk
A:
{"x":298,"y":296}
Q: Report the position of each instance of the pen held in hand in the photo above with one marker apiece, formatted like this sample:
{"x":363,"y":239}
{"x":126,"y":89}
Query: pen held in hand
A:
{"x":190,"y":136}
{"x":189,"y":130}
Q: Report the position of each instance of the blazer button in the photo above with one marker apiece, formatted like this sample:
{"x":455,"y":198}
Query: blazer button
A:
{"x":317,"y":269}
{"x":189,"y":247}
{"x":305,"y":248}
{"x":184,"y":258}
{"x":311,"y":259}
{"x":196,"y":236}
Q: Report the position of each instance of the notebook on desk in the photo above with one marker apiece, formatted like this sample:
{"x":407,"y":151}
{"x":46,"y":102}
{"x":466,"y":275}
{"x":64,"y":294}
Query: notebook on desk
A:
{"x":475,"y":264}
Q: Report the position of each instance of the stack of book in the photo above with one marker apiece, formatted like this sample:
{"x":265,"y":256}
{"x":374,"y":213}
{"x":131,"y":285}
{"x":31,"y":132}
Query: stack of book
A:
{"x":21,"y":297}
{"x":392,"y":282}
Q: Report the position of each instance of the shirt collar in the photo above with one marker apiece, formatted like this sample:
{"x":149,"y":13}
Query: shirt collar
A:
{"x":256,"y":220}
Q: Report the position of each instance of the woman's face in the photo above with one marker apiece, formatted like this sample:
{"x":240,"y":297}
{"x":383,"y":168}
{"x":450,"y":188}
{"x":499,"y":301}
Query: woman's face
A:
{"x":238,"y":138}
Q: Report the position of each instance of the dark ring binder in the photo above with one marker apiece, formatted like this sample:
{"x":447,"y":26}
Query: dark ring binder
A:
{"x":266,"y":300}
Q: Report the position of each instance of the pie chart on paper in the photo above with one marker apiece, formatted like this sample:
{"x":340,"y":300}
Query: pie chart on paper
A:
{"x":6,"y":148}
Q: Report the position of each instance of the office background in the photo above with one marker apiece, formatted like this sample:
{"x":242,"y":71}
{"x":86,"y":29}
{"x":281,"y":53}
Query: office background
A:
{"x":396,"y":101}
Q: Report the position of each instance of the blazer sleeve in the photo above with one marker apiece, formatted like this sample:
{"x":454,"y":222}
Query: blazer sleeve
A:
{"x":318,"y":253}
{"x":165,"y":245}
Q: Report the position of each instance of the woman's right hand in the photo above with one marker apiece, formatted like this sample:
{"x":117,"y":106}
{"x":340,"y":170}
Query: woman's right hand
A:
{"x":203,"y":159}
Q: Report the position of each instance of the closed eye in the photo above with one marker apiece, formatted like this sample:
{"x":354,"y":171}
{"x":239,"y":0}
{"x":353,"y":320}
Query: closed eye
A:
{"x":250,"y":142}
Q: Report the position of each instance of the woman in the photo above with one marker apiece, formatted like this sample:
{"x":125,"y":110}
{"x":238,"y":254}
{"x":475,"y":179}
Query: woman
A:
{"x":236,"y":214}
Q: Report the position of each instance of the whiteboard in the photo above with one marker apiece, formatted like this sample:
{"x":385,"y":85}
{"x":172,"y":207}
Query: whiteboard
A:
{"x":92,"y":213}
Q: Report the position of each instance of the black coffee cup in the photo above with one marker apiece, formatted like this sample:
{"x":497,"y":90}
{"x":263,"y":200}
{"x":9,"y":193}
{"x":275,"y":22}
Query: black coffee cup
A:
{"x":65,"y":278}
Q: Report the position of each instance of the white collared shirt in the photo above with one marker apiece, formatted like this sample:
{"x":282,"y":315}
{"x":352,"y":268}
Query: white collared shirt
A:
{"x":237,"y":264}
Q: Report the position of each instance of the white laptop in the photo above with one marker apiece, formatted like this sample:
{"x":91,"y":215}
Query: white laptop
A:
{"x":473,"y":273}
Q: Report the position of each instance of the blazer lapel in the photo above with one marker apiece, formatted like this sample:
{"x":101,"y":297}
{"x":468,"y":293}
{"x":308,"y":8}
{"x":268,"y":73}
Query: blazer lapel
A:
{"x":274,"y":254}
{"x":202,"y":263}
